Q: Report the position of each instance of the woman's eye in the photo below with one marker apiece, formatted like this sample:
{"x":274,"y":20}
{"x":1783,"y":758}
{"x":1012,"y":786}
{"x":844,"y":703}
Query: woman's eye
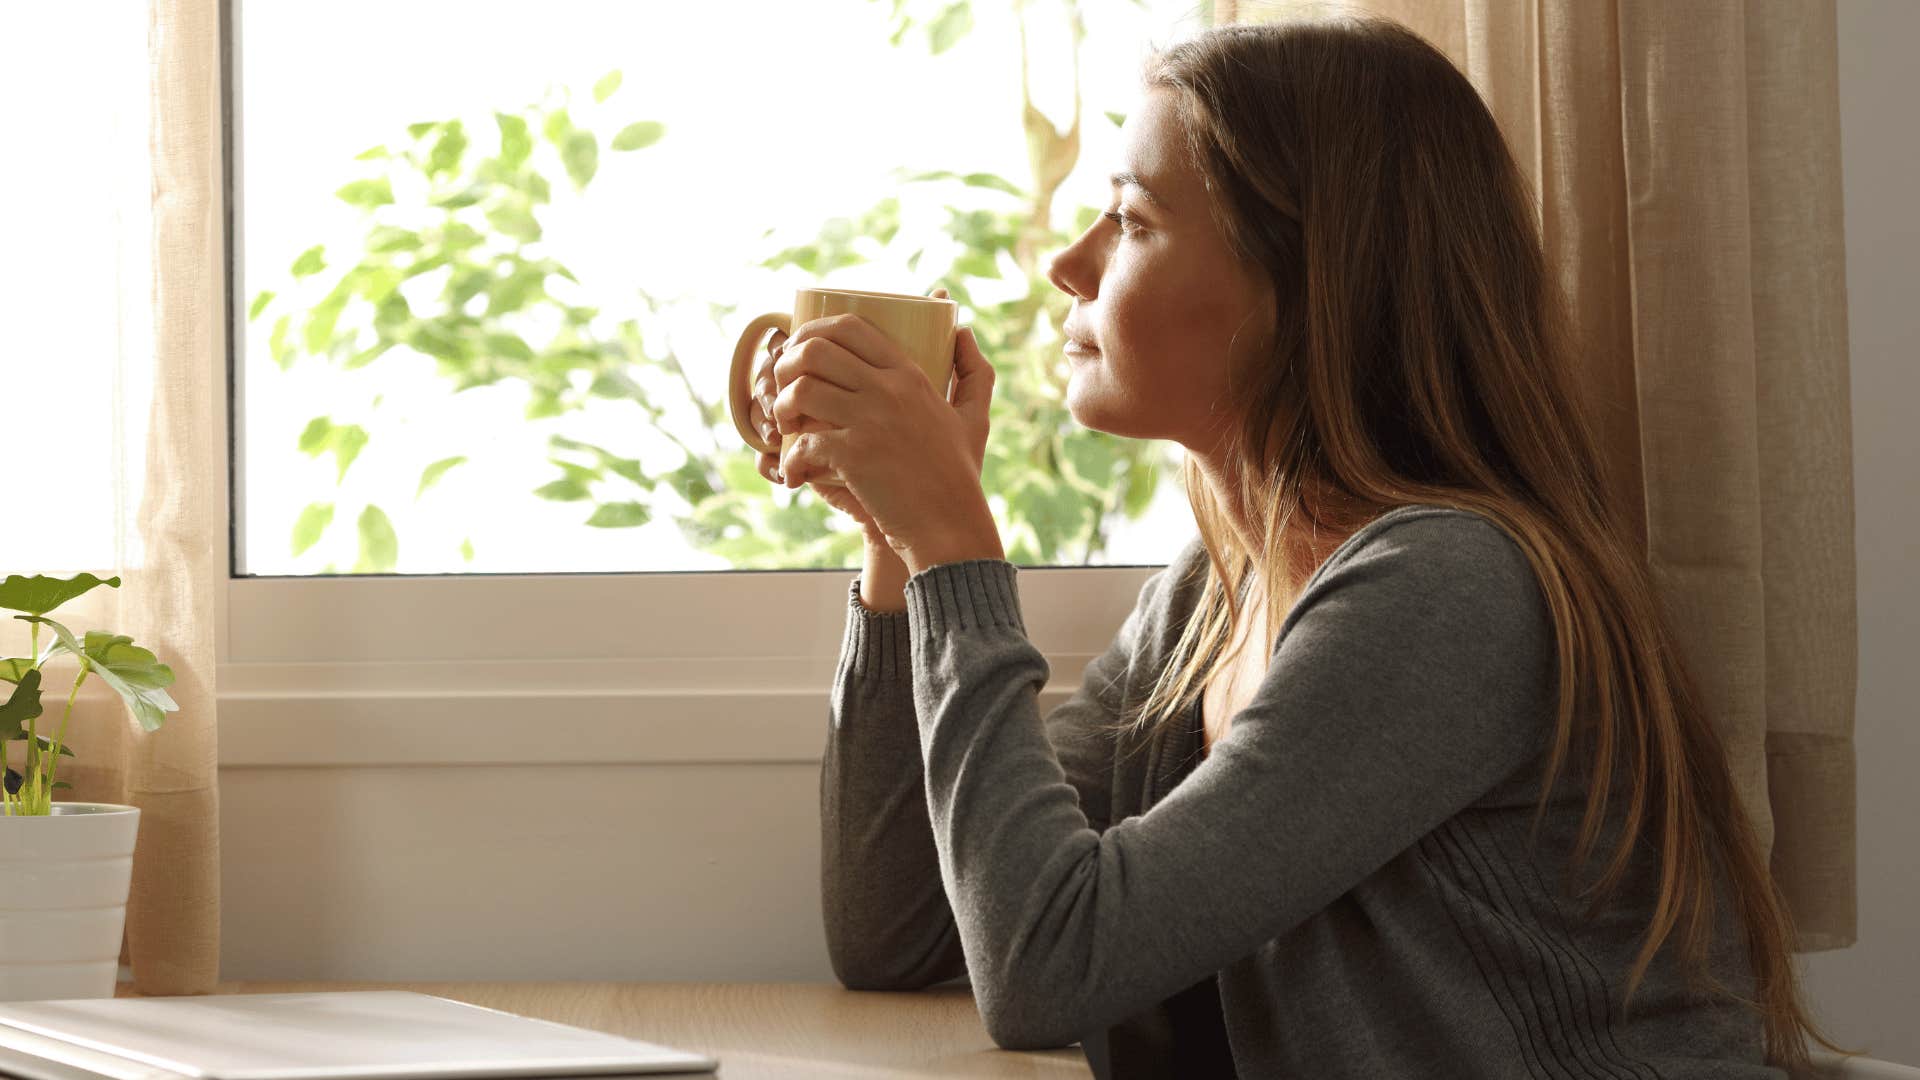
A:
{"x":1126,"y":224}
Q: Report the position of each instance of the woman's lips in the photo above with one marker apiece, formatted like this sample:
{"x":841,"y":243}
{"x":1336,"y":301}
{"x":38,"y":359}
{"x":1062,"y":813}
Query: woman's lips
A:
{"x":1074,"y":348}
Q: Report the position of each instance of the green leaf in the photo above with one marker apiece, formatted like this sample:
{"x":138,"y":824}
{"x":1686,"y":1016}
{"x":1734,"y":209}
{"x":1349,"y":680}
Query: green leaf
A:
{"x":347,"y":443}
{"x":379,"y":547}
{"x":46,"y":747}
{"x":39,"y":594}
{"x":986,"y":180}
{"x":447,"y":151}
{"x":367,"y":193}
{"x":617,"y":385}
{"x":1117,"y":118}
{"x":372,"y":153}
{"x":392,"y":314}
{"x":1092,"y":457}
{"x":566,"y":489}
{"x":627,"y":469}
{"x":515,"y":221}
{"x":21,"y":706}
{"x":515,"y":292}
{"x":951,"y":25}
{"x":691,"y":481}
{"x":511,"y":346}
{"x":995,"y":183}
{"x":466,"y":549}
{"x":376,"y":282}
{"x":313,"y":438}
{"x":579,"y":474}
{"x":635,"y":136}
{"x":367,"y":356}
{"x":1052,"y":509}
{"x":277,"y":342}
{"x":311,"y":261}
{"x":542,"y":404}
{"x":417,"y":130}
{"x":620,"y":515}
{"x":465,"y":283}
{"x":133,"y":672}
{"x":456,"y":236}
{"x":385,"y":239}
{"x":260,"y":304}
{"x":740,"y":472}
{"x":432,"y":473}
{"x":1142,"y":479}
{"x":324,"y":317}
{"x":581,"y":152}
{"x":345,"y":440}
{"x":516,"y":143}
{"x":460,"y":199}
{"x":978,"y":264}
{"x":608,"y":83}
{"x":313,"y":521}
{"x":557,"y":127}
{"x":439,"y":340}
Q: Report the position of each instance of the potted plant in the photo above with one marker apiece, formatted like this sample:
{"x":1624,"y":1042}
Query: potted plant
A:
{"x":66,"y":866}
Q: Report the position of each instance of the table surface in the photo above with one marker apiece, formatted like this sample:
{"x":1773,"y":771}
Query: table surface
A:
{"x":758,"y":1030}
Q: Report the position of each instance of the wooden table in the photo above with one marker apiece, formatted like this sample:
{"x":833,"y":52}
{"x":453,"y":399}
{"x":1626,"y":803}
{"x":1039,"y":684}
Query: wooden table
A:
{"x":759,"y":1030}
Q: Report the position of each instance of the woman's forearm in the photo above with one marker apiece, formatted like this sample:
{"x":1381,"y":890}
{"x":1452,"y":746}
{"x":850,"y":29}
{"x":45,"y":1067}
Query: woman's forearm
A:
{"x":883,"y":583}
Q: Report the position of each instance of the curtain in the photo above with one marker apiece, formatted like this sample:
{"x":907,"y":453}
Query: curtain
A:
{"x":1687,"y":162}
{"x":174,"y":593}
{"x":155,"y":504}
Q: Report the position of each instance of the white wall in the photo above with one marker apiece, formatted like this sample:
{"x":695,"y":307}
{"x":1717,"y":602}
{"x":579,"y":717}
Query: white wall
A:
{"x":1870,"y":994}
{"x":710,"y":870}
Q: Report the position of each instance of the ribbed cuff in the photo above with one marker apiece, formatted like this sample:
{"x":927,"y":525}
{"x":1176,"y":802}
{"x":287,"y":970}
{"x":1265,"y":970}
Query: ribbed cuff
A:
{"x":876,"y":642}
{"x":974,"y":593}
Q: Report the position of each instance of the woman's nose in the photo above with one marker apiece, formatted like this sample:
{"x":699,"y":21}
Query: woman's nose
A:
{"x":1069,"y":272}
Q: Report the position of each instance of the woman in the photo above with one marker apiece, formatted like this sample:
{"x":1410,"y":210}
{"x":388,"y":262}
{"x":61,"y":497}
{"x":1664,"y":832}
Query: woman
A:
{"x":1302,"y":817}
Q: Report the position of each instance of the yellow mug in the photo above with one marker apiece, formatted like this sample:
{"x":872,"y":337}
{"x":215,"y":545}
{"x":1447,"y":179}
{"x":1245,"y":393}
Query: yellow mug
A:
{"x":923,"y":327}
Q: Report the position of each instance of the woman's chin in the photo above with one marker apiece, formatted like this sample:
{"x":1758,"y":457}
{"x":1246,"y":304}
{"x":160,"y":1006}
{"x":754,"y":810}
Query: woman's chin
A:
{"x":1084,"y":407}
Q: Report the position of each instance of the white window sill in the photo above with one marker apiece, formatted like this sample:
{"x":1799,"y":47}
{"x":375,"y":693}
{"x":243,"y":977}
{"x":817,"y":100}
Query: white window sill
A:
{"x":589,"y":669}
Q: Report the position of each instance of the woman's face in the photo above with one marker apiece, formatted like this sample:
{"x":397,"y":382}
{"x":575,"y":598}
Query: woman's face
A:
{"x":1160,"y":298}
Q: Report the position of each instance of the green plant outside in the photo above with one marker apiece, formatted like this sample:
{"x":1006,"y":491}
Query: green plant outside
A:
{"x":482,"y":186}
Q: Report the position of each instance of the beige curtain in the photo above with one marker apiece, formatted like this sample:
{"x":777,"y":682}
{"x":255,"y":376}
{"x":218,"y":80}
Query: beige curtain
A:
{"x":1688,"y":162}
{"x":170,"y":492}
{"x":173,"y":919}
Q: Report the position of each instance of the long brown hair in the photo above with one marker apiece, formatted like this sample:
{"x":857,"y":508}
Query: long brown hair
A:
{"x":1422,"y":356}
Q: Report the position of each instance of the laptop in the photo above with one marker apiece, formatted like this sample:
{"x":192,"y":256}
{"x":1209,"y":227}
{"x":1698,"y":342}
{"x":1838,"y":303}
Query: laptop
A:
{"x":340,"y":1035}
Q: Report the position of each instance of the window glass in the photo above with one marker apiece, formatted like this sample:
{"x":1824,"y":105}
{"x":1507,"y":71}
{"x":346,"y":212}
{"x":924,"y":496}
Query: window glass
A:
{"x":492,"y":259}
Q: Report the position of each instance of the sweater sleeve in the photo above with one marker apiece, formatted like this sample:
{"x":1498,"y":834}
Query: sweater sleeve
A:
{"x":888,"y":922}
{"x":1410,"y":678}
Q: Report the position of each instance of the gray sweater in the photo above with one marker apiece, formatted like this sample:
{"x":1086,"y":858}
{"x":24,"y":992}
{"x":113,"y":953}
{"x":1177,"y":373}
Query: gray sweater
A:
{"x":1343,"y":887}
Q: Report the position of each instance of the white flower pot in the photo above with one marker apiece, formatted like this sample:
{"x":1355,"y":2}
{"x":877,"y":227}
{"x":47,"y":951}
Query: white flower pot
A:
{"x":63,"y":900}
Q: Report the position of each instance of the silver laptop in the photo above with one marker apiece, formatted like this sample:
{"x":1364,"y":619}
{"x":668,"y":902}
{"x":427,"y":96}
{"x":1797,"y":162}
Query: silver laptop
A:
{"x":342,"y":1035}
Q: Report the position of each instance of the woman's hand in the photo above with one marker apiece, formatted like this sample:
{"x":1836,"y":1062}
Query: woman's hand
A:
{"x":760,"y":415}
{"x":910,"y":453}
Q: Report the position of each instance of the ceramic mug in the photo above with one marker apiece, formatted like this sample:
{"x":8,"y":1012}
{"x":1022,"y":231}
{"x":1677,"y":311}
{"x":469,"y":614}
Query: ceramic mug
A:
{"x":923,"y":327}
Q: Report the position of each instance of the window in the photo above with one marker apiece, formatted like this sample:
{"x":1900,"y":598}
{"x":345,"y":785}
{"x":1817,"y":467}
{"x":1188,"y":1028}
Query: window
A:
{"x":493,"y":265}
{"x":76,"y":283}
{"x":489,"y":263}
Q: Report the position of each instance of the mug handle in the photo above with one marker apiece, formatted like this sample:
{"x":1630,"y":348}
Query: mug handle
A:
{"x":740,"y":382}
